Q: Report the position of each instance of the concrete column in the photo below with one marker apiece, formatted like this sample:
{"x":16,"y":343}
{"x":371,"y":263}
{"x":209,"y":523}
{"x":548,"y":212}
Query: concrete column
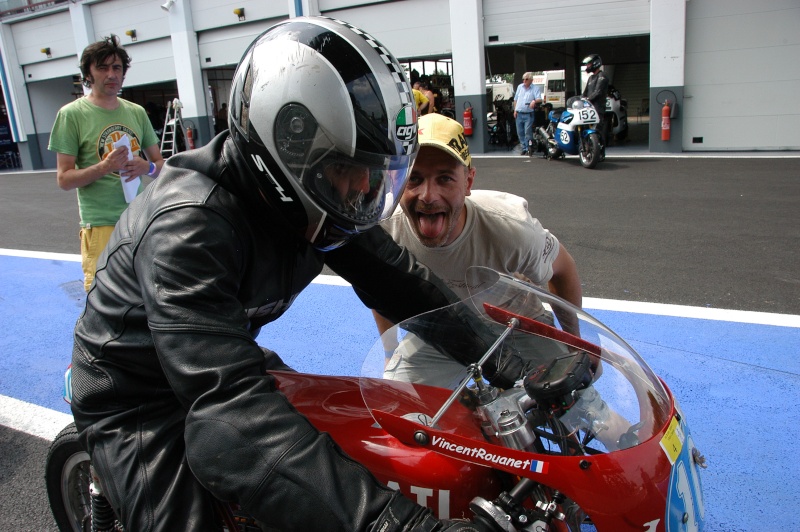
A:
{"x":667,"y":63}
{"x":82,"y":29}
{"x":469,"y":68}
{"x":572,"y":76}
{"x":303,"y":8}
{"x":520,"y":65}
{"x":189,"y":75}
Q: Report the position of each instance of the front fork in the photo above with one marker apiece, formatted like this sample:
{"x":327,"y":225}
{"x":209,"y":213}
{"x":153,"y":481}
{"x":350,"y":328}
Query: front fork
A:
{"x":509,"y":515}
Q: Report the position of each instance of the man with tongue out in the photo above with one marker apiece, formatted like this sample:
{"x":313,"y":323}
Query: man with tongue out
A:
{"x":450,"y":227}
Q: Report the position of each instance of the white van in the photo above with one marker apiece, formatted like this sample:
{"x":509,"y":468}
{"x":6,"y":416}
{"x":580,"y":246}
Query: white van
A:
{"x":500,"y":91}
{"x":555,"y":88}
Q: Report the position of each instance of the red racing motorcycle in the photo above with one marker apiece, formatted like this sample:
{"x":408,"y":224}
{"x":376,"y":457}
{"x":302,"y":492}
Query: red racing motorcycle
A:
{"x":589,"y":439}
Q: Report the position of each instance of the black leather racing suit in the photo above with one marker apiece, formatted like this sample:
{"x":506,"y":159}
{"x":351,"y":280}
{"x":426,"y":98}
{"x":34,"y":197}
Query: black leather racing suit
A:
{"x":170,"y":392}
{"x":596,"y":91}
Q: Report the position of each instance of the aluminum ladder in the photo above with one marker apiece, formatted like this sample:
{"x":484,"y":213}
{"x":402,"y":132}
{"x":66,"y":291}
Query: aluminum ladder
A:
{"x":173,"y":125}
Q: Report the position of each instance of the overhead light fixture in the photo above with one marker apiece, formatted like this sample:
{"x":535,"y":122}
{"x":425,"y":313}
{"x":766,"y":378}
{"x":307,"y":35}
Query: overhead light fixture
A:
{"x":46,"y":51}
{"x":239,"y":12}
{"x":131,"y":34}
{"x":166,"y":6}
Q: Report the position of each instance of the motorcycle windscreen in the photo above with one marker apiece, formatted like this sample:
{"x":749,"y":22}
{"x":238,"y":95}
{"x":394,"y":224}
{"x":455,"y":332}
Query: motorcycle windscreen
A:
{"x":586,"y":390}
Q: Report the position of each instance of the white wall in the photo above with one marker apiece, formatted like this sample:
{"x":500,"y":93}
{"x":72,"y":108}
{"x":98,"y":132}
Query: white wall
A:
{"x":520,"y":21}
{"x":44,"y":113}
{"x":411,"y":28}
{"x":742,"y":75}
{"x":53,"y":31}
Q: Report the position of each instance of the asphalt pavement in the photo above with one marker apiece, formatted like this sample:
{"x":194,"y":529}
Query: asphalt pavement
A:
{"x":708,"y":230}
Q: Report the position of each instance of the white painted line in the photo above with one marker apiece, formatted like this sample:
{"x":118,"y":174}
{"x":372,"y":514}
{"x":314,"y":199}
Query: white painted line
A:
{"x":636,"y":307}
{"x":32,"y":419}
{"x":40,"y":255}
{"x":333,"y":280}
{"x":703,"y":313}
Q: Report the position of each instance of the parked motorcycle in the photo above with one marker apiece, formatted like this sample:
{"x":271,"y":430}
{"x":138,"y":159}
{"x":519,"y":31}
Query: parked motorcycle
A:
{"x":617,"y":113}
{"x":570,"y":130}
{"x":500,"y":124}
{"x":589,"y":439}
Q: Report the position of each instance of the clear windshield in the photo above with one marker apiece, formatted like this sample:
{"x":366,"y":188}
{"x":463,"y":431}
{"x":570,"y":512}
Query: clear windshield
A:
{"x":585,"y":390}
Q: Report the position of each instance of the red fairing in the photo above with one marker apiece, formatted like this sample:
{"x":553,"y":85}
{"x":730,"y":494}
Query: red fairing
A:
{"x":335,"y":405}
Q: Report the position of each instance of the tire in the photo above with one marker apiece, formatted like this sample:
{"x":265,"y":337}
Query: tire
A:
{"x":590,"y":150}
{"x":540,"y":141}
{"x":623,"y":133}
{"x":67,"y":478}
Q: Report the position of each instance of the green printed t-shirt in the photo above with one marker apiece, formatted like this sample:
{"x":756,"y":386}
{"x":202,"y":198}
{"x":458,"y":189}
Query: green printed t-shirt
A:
{"x":88,"y":133}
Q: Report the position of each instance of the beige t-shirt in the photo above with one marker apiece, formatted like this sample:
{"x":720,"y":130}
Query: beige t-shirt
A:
{"x":499,"y":233}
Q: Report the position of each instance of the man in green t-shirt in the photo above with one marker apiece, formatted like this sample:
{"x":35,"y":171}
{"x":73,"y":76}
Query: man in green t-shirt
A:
{"x":84,"y":136}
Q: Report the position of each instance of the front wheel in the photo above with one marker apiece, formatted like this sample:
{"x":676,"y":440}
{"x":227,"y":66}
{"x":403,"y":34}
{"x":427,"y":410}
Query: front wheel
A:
{"x":590,"y":150}
{"x":623,"y":132}
{"x":67,"y":477}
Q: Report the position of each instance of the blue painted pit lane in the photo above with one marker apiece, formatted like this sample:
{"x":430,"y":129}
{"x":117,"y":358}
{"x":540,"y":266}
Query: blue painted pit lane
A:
{"x":736,"y":375}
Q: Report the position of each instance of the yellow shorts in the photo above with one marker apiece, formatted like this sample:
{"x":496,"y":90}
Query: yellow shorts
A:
{"x":93,"y":241}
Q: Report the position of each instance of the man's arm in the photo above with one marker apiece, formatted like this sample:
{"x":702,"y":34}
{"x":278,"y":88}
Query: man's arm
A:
{"x":600,"y":88}
{"x":423,"y":103}
{"x":389,"y":344}
{"x":566,"y":284}
{"x":537,"y":97}
{"x":153,"y":156}
{"x":68,"y":177}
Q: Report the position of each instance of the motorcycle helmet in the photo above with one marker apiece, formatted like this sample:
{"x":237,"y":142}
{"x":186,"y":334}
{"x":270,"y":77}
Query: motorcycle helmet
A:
{"x":324,"y":117}
{"x":592,"y":63}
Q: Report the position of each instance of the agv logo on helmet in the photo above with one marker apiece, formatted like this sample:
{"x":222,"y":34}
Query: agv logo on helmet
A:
{"x":405,"y":127}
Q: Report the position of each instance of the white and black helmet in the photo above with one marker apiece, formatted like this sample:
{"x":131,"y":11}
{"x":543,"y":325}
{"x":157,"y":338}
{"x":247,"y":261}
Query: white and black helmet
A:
{"x":592,"y":63}
{"x":325,"y":118}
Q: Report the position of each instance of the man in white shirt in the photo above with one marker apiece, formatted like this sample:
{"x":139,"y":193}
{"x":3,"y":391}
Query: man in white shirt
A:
{"x":449,"y":227}
{"x":527,"y":97}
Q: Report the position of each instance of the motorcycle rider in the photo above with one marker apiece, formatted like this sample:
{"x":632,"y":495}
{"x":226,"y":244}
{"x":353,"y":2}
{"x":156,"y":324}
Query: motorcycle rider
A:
{"x":595,"y":91}
{"x":170,"y":390}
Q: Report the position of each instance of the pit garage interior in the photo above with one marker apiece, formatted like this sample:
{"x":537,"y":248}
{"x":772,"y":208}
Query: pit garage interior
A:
{"x":725,"y":63}
{"x":625,"y":59}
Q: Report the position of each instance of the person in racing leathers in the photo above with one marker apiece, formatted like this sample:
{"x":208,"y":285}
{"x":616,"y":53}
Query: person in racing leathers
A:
{"x":171,"y":393}
{"x":596,"y":91}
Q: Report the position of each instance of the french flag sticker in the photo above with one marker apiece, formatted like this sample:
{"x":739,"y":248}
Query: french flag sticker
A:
{"x":539,"y":467}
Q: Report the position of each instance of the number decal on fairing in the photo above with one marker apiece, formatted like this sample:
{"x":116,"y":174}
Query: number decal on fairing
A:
{"x":685,"y":507}
{"x":564,"y":137}
{"x":588,"y":116}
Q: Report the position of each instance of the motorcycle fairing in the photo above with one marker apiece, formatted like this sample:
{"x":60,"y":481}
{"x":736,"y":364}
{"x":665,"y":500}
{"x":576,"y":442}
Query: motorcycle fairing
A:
{"x":620,"y":489}
{"x":685,"y":505}
{"x":334,"y":404}
{"x":567,"y":138}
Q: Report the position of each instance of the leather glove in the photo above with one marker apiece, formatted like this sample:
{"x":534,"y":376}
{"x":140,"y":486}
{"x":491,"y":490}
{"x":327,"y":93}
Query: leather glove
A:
{"x":402,"y":515}
{"x":504,"y":369}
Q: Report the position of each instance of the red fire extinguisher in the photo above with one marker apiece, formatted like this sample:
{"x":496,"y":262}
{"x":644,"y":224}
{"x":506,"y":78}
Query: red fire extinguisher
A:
{"x":468,"y":119}
{"x":665,"y":121}
{"x":190,"y":138}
